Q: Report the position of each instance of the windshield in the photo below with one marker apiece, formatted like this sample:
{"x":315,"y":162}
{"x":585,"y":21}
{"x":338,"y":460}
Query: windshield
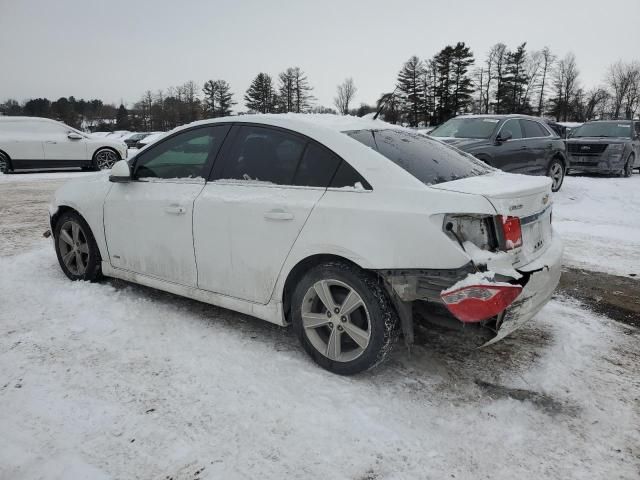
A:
{"x":603,"y":129}
{"x":466,"y":128}
{"x":430,"y":161}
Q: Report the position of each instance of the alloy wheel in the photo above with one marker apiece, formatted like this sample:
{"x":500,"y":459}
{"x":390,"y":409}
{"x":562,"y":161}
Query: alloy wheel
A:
{"x":335,"y":320}
{"x":556,"y":174}
{"x":106,"y":158}
{"x":74,"y":247}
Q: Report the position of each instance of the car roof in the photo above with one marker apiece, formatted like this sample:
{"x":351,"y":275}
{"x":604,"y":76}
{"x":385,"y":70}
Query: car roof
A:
{"x":503,"y":116}
{"x":4,"y":118}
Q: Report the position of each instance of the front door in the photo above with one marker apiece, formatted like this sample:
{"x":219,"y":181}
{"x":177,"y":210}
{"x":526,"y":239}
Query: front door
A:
{"x":148,"y":221}
{"x":61,"y":150}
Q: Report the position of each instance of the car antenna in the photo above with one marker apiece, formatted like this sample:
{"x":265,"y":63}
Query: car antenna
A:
{"x":383,"y":102}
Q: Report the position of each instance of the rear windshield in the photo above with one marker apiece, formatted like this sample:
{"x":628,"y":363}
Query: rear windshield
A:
{"x":466,"y":128}
{"x":603,"y":129}
{"x":430,"y":161}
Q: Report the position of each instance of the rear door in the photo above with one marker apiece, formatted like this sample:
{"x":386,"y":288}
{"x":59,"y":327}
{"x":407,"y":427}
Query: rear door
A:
{"x":512,"y":155}
{"x":264,"y":186}
{"x":149,"y":221}
{"x":21,"y":141}
{"x":538,"y":141}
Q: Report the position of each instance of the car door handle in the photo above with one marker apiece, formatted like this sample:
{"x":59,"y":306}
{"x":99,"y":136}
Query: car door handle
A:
{"x":175,"y":209}
{"x":50,"y":141}
{"x":524,"y":148}
{"x":278,"y":214}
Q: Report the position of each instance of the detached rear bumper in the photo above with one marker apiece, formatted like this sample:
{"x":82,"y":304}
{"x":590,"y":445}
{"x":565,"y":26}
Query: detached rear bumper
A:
{"x":543,"y":277}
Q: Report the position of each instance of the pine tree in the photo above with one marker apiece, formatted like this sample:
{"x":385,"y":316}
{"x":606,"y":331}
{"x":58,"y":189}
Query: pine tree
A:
{"x":412,"y":90}
{"x":514,"y":81}
{"x":294,"y":91}
{"x":217,"y":98}
{"x":122,"y":118}
{"x":261,"y":96}
{"x":462,"y":86}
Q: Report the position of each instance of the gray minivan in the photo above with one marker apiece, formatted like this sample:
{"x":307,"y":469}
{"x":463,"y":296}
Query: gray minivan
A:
{"x":513,"y":143}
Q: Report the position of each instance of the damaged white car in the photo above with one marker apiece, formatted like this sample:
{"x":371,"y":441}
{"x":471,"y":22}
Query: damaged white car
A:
{"x":336,"y":225}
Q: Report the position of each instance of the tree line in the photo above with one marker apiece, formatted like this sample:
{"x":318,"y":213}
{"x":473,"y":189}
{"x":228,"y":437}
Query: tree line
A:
{"x":427,"y":92}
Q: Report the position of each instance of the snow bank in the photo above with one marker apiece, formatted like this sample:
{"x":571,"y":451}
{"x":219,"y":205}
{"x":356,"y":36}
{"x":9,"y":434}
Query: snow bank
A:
{"x":598,"y":219}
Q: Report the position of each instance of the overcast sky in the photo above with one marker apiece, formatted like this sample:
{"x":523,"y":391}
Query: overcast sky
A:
{"x":115,"y":49}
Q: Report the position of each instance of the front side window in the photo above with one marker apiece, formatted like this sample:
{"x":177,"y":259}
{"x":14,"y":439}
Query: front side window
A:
{"x":533,"y":129}
{"x":604,"y":129}
{"x":430,"y":161}
{"x":263,"y":154}
{"x":512,"y":126}
{"x":480,"y":127}
{"x":185,"y":155}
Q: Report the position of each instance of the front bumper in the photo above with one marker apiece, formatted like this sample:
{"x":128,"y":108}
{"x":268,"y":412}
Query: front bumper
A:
{"x":597,"y":164}
{"x":543,"y":277}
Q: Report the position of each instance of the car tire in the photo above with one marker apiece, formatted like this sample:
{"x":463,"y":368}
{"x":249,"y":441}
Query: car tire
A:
{"x":104,"y":158}
{"x":556,"y":172}
{"x":5,"y":163}
{"x":76,"y":248}
{"x":627,"y":171}
{"x":362,"y":328}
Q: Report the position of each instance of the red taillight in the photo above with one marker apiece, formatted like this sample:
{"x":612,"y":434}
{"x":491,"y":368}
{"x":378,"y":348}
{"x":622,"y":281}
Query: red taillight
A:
{"x":511,"y":232}
{"x":480,"y":302}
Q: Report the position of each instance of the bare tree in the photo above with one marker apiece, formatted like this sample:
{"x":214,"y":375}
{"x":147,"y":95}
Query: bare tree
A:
{"x":499,"y":55}
{"x":345,"y":93}
{"x":621,"y":78}
{"x":547,"y":60}
{"x":566,"y":86}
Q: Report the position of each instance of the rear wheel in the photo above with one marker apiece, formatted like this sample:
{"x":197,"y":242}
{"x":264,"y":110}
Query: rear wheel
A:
{"x":343,"y":318}
{"x":76,"y":248}
{"x":556,"y":172}
{"x":4,"y":163}
{"x":104,"y":158}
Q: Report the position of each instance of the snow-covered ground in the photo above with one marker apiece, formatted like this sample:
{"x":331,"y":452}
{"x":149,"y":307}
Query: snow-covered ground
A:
{"x":599,"y":221}
{"x":112,"y":380}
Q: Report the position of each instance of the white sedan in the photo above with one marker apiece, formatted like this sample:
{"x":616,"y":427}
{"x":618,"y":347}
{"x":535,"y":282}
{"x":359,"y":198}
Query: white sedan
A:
{"x":41,"y":143}
{"x":336,"y":225}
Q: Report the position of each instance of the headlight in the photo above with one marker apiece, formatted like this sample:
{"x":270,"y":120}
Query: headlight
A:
{"x":616,"y":147}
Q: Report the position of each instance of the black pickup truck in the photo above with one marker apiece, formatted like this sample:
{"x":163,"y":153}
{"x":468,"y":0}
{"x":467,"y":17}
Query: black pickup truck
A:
{"x":605,"y":146}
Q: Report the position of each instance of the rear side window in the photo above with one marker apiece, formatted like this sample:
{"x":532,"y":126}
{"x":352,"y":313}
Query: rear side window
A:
{"x":346,"y":176}
{"x":430,"y":161}
{"x":263,"y":154}
{"x":317,"y":167}
{"x":533,"y":129}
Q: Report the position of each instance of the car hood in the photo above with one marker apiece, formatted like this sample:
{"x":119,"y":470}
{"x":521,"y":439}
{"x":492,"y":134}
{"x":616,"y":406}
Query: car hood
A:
{"x":464,"y":143}
{"x":591,"y":140}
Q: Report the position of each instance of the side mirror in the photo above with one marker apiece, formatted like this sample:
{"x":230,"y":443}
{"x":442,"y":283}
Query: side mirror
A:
{"x":74,"y":136}
{"x":120,"y":172}
{"x":504,"y":136}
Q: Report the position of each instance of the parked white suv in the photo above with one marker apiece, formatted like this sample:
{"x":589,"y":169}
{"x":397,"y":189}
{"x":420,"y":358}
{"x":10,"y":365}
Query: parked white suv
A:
{"x":337,"y":225}
{"x":41,"y":143}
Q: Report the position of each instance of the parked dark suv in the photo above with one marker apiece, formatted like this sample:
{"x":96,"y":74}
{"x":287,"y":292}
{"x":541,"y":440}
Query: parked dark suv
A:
{"x":513,"y":143}
{"x":610,"y":146}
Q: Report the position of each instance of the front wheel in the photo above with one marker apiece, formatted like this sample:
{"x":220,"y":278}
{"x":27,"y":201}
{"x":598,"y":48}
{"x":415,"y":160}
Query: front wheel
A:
{"x":76,"y":248}
{"x":628,"y":167}
{"x":343,"y":318}
{"x":105,"y":158}
{"x":556,"y":172}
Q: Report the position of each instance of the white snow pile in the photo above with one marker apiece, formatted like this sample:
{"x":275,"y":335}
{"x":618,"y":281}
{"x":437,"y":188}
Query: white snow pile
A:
{"x":598,"y":219}
{"x":110,"y":380}
{"x":478,"y":278}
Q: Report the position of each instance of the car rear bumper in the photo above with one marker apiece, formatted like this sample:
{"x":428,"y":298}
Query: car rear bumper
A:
{"x":542,"y":277}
